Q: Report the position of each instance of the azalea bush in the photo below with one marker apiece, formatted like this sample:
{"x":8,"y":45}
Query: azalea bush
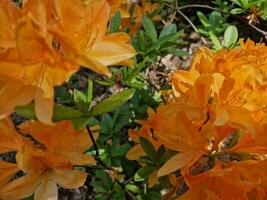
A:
{"x":121,"y":99}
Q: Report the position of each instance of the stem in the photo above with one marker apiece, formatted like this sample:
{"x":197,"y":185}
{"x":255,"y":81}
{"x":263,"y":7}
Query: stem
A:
{"x":93,"y":141}
{"x":122,"y":185}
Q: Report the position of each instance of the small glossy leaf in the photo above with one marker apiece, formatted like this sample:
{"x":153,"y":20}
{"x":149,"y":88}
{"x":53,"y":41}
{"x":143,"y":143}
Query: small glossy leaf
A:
{"x":216,"y":42}
{"x":133,"y":188}
{"x":215,"y":18}
{"x":80,"y":123}
{"x":168,"y":30}
{"x":63,"y":112}
{"x":230,"y":36}
{"x":115,"y":22}
{"x":112,"y":102}
{"x":121,"y":150}
{"x":141,"y":40}
{"x":237,"y":11}
{"x":150,"y":28}
{"x":80,"y":100}
{"x":148,"y":148}
{"x":203,"y":19}
{"x":26,"y":111}
{"x":177,"y":52}
{"x":60,"y":112}
{"x":144,"y":172}
{"x":89,"y":91}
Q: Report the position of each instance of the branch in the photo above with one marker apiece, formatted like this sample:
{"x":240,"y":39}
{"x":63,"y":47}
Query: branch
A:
{"x":104,"y":165}
{"x":178,"y":9}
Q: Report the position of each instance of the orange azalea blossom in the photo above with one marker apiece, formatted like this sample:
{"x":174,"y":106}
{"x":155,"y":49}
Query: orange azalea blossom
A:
{"x":224,"y":182}
{"x":226,"y":61}
{"x":219,"y":99}
{"x":7,"y":171}
{"x":135,"y":22}
{"x":10,"y":139}
{"x":215,"y":119}
{"x":121,"y":6}
{"x":40,"y":48}
{"x":84,"y":36}
{"x":47,"y":155}
{"x":30,"y":69}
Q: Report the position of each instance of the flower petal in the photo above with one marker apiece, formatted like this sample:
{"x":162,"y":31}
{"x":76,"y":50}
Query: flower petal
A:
{"x":178,"y":161}
{"x":7,"y":171}
{"x":70,"y":179}
{"x":20,"y":188}
{"x":47,"y":190}
{"x":135,"y":152}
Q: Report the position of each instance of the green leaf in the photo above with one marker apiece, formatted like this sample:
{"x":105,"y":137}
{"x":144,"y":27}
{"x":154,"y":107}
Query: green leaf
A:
{"x":80,"y":100}
{"x":60,"y":112}
{"x":144,"y":172}
{"x":112,"y":102}
{"x":215,"y":18}
{"x":150,"y":28}
{"x":141,"y":40}
{"x":164,"y":41}
{"x":216,"y":42}
{"x":155,"y":195}
{"x":104,"y":83}
{"x":133,"y":188}
{"x":115,"y":22}
{"x":177,"y":52}
{"x":80,"y":123}
{"x":26,"y":111}
{"x":237,"y":11}
{"x":146,"y":160}
{"x":168,"y":30}
{"x":121,"y":150}
{"x":230,"y":36}
{"x":203,"y":19}
{"x":148,"y":148}
{"x":89,"y":91}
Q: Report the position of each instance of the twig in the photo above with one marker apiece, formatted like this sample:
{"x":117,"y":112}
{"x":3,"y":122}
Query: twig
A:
{"x":93,"y":141}
{"x":188,"y":20}
{"x":193,"y":26}
{"x":104,"y":165}
{"x":153,"y":85}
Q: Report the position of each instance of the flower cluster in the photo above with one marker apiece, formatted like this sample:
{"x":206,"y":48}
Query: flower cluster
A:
{"x":46,"y":155}
{"x":215,"y":119}
{"x":43,"y":43}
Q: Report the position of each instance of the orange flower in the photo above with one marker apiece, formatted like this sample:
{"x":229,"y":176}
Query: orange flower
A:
{"x":10,"y":139}
{"x":45,"y":49}
{"x":84,"y":38}
{"x":121,"y":6}
{"x":226,"y":61}
{"x":219,"y":183}
{"x":215,"y":118}
{"x":184,"y":137}
{"x":219,"y":99}
{"x":7,"y":171}
{"x":32,"y":68}
{"x":135,"y":22}
{"x":63,"y":144}
{"x":47,"y":155}
{"x":9,"y":16}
